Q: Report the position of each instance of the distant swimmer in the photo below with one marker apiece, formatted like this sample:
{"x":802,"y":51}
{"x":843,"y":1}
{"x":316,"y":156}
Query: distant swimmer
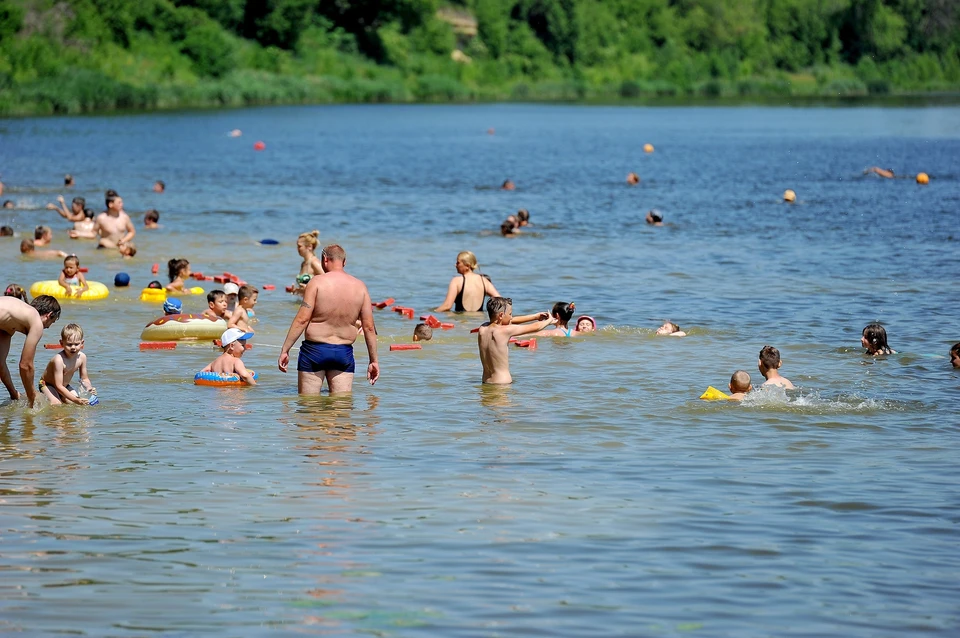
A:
{"x":670,"y":329}
{"x":113,"y":226}
{"x":508,"y":185}
{"x":235,"y":133}
{"x":874,"y":339}
{"x":882,"y":172}
{"x":68,"y":181}
{"x":769,"y":364}
{"x":510,"y":227}
{"x":159,"y":186}
{"x":6,"y":231}
{"x":523,"y":218}
{"x":75,"y":214}
{"x":30,"y":320}
{"x":28,"y":249}
{"x":466,"y":293}
{"x":9,"y":204}
{"x":493,"y":338}
{"x":327,"y":318}
{"x":955,"y":355}
{"x":586,"y":324}
{"x":178,"y":271}
{"x":151,"y":219}
{"x":42,"y":236}
{"x":633,"y":179}
{"x":654,"y":218}
{"x":739,"y":385}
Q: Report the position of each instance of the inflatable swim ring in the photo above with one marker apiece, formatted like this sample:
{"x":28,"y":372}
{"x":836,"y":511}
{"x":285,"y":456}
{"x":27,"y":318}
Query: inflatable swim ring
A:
{"x":712,"y":394}
{"x":53,"y":288}
{"x":155,"y":295}
{"x":183,"y":326}
{"x":218,"y":379}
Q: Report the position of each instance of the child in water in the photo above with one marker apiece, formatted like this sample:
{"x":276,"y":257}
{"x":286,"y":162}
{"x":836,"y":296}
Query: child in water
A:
{"x":27,"y":248}
{"x":586,"y":324}
{"x":562,"y":312}
{"x":874,"y":339}
{"x":769,"y":365}
{"x":493,"y":338}
{"x":42,"y":236}
{"x":739,"y":385}
{"x":71,"y":278}
{"x":55,"y":382}
{"x":16,"y":290}
{"x":954,"y":354}
{"x":216,"y":306}
{"x":670,"y":329}
{"x":233,"y":342}
{"x":246,"y":300}
{"x":422,"y":332}
{"x":151,"y":219}
{"x":179,"y":271}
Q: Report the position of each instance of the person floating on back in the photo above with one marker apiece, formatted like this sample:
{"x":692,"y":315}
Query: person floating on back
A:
{"x":233,"y":342}
{"x":769,"y":364}
{"x":874,"y":339}
{"x":493,"y":338}
{"x":55,"y":382}
{"x":739,"y":385}
{"x":670,"y":329}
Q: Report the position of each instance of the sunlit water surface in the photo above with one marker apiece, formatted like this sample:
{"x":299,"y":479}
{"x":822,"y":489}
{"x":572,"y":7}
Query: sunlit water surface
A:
{"x":596,"y":496}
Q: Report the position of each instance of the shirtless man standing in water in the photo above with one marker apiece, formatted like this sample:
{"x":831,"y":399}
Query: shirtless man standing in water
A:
{"x":114,"y":226}
{"x":30,"y":319}
{"x":332,"y":304}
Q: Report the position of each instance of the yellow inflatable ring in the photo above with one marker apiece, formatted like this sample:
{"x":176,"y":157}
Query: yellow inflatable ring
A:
{"x":183,"y":326}
{"x":156,"y":295}
{"x":53,"y":288}
{"x":219,"y":380}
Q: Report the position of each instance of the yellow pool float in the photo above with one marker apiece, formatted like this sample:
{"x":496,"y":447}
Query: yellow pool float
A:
{"x":52,"y":287}
{"x":196,"y":290}
{"x":712,"y":394}
{"x":183,"y":326}
{"x":155,"y":295}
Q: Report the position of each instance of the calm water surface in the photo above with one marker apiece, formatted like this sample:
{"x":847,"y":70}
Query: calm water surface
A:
{"x":596,"y":496}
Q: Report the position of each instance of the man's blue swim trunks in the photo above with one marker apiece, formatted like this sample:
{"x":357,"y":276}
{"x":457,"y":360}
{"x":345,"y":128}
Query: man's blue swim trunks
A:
{"x":319,"y":357}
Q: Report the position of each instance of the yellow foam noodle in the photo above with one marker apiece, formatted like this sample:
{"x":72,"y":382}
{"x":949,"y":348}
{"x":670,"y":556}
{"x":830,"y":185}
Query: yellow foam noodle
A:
{"x":96,"y":290}
{"x":196,"y":290}
{"x":712,"y":394}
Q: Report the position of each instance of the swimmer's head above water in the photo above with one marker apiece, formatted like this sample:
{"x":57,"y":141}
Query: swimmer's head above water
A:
{"x":874,"y":339}
{"x":740,"y":382}
{"x":586,"y":324}
{"x":466,"y":260}
{"x":670,"y":328}
{"x":654,"y":218}
{"x":422,"y":332}
{"x":955,"y":355}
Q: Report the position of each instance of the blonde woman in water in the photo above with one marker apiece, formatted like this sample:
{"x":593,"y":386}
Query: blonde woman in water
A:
{"x":311,"y":266}
{"x":467,"y":291}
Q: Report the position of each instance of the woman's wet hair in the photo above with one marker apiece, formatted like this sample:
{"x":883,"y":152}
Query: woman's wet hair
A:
{"x":174,"y":266}
{"x":507,"y":227}
{"x":468,"y":259}
{"x":563,"y":311}
{"x":876,"y":336}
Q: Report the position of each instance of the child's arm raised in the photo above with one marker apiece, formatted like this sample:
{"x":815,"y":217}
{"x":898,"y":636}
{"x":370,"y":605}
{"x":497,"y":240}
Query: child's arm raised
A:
{"x":540,"y":316}
{"x":527,"y":328}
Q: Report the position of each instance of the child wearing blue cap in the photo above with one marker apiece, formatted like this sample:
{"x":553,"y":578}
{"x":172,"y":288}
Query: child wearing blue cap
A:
{"x":172,"y":306}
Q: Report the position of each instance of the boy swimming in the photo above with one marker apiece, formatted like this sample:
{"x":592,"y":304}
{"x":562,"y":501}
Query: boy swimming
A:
{"x":493,"y":338}
{"x":769,"y":364}
{"x":55,"y":382}
{"x":670,"y":329}
{"x":233,"y":342}
{"x":216,"y":306}
{"x":739,"y":385}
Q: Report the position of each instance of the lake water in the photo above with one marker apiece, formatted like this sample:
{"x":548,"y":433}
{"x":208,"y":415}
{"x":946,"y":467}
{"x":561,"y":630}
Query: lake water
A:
{"x":596,"y":496}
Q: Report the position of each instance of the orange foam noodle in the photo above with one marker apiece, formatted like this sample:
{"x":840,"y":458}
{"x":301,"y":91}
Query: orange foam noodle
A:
{"x":448,"y":326}
{"x":405,"y":346}
{"x":158,"y":345}
{"x":408,"y":313}
{"x":478,"y":330}
{"x":52,"y":346}
{"x":269,"y":287}
{"x":155,"y":269}
{"x":529,"y":343}
{"x":83,"y":269}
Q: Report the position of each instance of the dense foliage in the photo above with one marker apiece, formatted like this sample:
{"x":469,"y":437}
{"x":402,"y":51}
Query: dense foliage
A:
{"x":85,"y":55}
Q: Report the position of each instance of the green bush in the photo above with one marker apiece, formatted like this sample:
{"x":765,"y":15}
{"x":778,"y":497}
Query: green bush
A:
{"x":209,"y":49}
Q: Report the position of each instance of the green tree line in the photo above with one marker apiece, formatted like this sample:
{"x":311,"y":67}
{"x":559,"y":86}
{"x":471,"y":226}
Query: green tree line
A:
{"x":71,"y":56}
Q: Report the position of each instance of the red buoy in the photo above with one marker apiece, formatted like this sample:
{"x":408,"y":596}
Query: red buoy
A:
{"x":259,"y":146}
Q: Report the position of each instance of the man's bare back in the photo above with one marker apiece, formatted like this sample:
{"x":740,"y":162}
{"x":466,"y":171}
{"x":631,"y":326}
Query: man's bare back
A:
{"x":17,"y":316}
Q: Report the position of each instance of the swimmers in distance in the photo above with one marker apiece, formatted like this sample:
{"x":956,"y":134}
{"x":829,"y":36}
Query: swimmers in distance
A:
{"x":882,"y":172}
{"x":508,"y":185}
{"x":874,"y":339}
{"x":654,"y":218}
{"x":670,"y":329}
{"x":955,"y":355}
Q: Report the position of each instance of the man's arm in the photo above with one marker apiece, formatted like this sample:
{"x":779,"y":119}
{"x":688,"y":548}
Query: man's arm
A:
{"x":299,"y":324}
{"x":370,"y":338}
{"x":26,"y":359}
{"x":131,"y":232}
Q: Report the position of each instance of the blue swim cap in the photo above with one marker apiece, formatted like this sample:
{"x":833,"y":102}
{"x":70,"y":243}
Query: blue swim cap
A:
{"x":172,"y":306}
{"x":122,"y":279}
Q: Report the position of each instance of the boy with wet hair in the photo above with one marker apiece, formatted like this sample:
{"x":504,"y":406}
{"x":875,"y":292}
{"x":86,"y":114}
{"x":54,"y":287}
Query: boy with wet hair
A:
{"x":739,"y":385}
{"x":55,"y":382}
{"x":151,"y":219}
{"x":493,"y":337}
{"x":422,"y":332}
{"x":42,"y":236}
{"x":216,"y":306}
{"x":769,"y":364}
{"x":246,"y":300}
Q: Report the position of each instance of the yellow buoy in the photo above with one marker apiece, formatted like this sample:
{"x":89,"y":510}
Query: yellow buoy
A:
{"x":789,"y":196}
{"x":648,"y":148}
{"x":923,"y":178}
{"x":712,"y":394}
